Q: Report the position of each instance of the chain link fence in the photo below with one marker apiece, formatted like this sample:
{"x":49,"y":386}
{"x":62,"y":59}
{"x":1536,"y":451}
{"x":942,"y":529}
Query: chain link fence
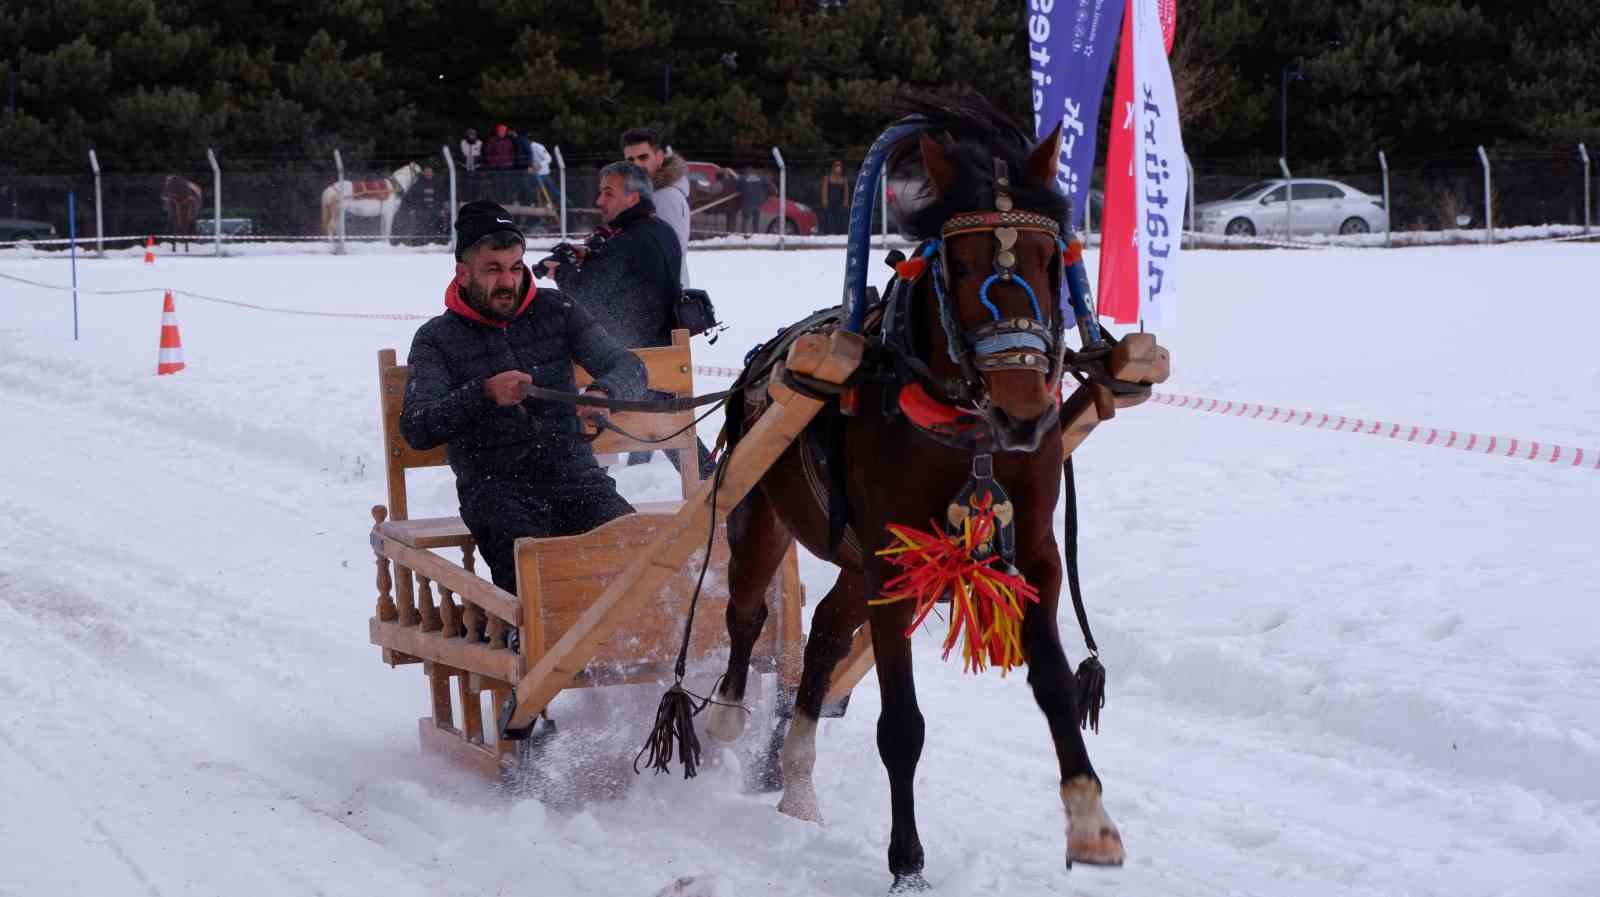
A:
{"x":408,"y":198}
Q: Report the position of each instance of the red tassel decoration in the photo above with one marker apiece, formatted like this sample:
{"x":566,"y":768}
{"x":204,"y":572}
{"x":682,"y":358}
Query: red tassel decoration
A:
{"x":985,"y":604}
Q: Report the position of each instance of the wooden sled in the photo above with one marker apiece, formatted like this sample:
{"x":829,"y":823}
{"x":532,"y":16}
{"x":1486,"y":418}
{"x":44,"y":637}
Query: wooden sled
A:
{"x":602,"y":608}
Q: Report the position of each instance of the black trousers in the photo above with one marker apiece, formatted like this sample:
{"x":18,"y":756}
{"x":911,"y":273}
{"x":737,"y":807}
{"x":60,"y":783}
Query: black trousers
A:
{"x":499,"y":513}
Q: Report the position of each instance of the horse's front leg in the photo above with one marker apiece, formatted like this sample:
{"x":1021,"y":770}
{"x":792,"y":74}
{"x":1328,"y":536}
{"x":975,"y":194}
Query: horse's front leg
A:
{"x":756,"y":543}
{"x":900,"y":734}
{"x":1092,"y":838}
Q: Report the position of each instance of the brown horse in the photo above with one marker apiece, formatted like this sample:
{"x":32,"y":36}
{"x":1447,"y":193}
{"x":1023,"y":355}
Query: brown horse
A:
{"x":180,"y":199}
{"x":976,"y":330}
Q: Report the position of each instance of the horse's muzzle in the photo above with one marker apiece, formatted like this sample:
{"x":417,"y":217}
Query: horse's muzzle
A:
{"x":1012,"y":435}
{"x":1019,"y":404}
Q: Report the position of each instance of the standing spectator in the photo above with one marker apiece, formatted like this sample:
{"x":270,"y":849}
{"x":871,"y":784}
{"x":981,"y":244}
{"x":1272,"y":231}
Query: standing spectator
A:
{"x":669,"y":180}
{"x":541,"y":173}
{"x":522,"y":169}
{"x":753,"y":193}
{"x":627,"y":276}
{"x":835,"y":200}
{"x":471,"y":162}
{"x":426,"y":214}
{"x":498,"y":155}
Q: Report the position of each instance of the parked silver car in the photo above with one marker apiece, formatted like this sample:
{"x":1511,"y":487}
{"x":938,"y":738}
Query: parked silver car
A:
{"x":1319,"y":207}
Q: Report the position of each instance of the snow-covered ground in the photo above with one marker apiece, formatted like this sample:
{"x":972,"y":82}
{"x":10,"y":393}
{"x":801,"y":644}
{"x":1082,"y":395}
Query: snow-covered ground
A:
{"x":1339,"y":665}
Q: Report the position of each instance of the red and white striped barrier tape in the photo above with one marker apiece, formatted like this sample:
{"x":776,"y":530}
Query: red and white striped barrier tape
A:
{"x":1502,"y":446}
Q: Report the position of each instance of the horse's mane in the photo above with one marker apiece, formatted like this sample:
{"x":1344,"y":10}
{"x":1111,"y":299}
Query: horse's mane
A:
{"x":973,"y":133}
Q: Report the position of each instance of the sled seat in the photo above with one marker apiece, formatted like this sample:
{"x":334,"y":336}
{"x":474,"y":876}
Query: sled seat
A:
{"x":471,"y":637}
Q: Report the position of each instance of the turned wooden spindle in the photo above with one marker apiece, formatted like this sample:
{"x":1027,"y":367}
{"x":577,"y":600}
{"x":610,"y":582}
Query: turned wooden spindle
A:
{"x":405,"y":595}
{"x":447,"y":613}
{"x":497,"y":632}
{"x":475,"y":620}
{"x":430,"y":614}
{"x":467,"y":560}
{"x":387,"y":612}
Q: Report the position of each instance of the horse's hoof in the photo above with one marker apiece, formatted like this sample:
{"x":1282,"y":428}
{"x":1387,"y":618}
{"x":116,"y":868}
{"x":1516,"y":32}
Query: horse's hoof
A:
{"x":1092,"y":838}
{"x":801,"y":804}
{"x":727,"y":721}
{"x":909,"y":883}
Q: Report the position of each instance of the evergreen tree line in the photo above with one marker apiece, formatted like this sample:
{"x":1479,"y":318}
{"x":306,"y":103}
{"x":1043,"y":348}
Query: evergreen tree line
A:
{"x":150,"y":85}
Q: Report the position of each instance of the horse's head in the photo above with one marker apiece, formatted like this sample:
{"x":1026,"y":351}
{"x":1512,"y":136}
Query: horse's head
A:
{"x":992,"y":232}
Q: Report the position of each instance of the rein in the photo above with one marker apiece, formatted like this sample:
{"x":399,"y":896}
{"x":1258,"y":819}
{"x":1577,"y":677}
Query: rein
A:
{"x":529,"y":391}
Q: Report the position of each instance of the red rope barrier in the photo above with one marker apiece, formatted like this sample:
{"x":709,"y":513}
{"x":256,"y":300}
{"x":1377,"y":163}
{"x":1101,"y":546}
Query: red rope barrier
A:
{"x":1500,"y":446}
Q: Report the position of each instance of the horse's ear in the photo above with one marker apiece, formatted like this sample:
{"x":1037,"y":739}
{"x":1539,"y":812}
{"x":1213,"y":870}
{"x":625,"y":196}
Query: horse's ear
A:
{"x":1045,"y":157}
{"x":941,"y":171}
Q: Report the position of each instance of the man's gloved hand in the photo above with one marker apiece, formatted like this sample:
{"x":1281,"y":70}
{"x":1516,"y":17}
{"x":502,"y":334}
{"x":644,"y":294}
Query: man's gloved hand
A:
{"x":505,"y":388}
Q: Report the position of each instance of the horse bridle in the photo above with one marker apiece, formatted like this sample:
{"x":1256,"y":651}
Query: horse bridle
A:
{"x":1028,"y":344}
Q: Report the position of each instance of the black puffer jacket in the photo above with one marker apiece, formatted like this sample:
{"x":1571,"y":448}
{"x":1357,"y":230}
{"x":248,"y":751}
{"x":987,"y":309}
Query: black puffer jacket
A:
{"x":631,"y":282}
{"x":537,"y":441}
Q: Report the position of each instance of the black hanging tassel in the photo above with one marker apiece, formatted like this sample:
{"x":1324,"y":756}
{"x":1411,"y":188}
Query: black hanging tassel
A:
{"x":674,"y":722}
{"x":1091,"y":681}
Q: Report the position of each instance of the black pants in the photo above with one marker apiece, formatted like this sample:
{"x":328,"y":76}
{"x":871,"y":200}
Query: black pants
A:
{"x":500,"y":513}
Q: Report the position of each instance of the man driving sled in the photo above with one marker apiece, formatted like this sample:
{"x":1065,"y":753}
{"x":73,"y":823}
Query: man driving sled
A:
{"x":522,"y":467}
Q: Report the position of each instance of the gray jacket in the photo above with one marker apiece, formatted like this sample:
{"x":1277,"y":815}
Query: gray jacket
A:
{"x":671,"y":196}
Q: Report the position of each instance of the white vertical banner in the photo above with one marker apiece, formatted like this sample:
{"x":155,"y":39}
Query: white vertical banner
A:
{"x":1160,"y":174}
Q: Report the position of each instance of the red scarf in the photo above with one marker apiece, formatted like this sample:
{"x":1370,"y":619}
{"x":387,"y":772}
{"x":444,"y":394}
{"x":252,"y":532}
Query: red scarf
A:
{"x":454,"y":301}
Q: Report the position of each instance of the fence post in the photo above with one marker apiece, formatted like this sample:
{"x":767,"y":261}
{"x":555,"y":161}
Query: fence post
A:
{"x":1583,"y":153}
{"x":561,"y":168}
{"x":450,"y":166}
{"x":883,"y":205}
{"x":338,"y":164}
{"x":99,"y":219}
{"x":1288,"y":217}
{"x":783,"y":196}
{"x":1190,"y":165}
{"x":216,"y":196}
{"x":72,"y":242}
{"x":1488,"y":196}
{"x":1388,"y":210}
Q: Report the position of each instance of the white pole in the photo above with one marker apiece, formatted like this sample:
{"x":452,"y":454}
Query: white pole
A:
{"x":883,"y":205}
{"x":1583,"y":152}
{"x":1190,"y":165}
{"x":216,"y":196}
{"x":1488,"y":199}
{"x":338,"y":163}
{"x":561,"y":167}
{"x":99,"y":220}
{"x":1288,"y":218}
{"x":1388,"y":210}
{"x":783,"y":196}
{"x":450,"y":166}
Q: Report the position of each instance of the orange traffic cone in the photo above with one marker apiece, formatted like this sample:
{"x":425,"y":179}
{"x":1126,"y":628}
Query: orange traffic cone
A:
{"x":171,"y":360}
{"x":150,"y":254}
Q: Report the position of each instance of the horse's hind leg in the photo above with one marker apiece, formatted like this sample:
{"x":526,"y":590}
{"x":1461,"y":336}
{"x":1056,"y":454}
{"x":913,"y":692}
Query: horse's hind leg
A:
{"x":757,"y":541}
{"x":840,"y":613}
{"x":1092,"y":837}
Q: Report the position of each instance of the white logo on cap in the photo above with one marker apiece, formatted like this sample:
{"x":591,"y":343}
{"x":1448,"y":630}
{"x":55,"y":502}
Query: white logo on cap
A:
{"x":504,"y":221}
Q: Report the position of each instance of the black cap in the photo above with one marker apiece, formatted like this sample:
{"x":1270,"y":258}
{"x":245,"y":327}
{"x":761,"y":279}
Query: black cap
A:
{"x":477,"y":220}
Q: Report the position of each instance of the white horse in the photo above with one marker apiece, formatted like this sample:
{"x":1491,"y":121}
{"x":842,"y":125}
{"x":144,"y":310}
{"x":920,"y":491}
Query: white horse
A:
{"x":368,"y":199}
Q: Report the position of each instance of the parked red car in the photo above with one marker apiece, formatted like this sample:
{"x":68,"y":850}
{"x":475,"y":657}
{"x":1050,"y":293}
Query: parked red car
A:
{"x":714,"y":203}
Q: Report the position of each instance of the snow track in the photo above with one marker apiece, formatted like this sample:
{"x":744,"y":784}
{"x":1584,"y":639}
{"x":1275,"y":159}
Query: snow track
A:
{"x":1338,"y":667}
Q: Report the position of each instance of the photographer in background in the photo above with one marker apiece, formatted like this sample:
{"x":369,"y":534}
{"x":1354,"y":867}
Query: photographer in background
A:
{"x":628,"y":273}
